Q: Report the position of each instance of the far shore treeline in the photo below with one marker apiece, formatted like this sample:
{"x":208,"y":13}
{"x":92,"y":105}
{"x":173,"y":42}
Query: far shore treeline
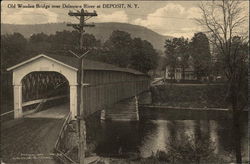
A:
{"x":119,"y":49}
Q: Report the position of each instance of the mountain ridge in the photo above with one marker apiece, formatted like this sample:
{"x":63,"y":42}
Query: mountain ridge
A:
{"x":101,"y":31}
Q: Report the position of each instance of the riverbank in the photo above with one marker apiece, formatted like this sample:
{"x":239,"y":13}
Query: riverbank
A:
{"x":190,"y":96}
{"x":160,"y":158}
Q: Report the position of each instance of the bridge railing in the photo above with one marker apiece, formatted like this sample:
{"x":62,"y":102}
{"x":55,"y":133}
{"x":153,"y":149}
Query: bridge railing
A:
{"x":61,"y":155}
{"x":63,"y":129}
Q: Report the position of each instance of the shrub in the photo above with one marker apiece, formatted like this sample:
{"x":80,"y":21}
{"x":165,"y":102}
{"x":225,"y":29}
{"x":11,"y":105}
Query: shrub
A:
{"x":191,"y":149}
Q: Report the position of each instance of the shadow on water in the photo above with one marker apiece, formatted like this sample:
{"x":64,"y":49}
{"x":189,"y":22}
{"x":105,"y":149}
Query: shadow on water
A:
{"x":147,"y":136}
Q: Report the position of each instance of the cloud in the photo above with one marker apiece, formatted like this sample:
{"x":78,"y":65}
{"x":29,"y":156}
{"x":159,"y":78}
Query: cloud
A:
{"x":171,"y":19}
{"x":194,"y":12}
{"x":29,"y":16}
{"x":116,"y":16}
{"x":184,"y":32}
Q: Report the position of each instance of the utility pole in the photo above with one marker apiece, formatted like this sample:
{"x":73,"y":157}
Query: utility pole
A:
{"x":82,"y":15}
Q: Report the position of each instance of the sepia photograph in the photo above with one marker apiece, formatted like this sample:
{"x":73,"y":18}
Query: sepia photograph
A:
{"x":124,"y":82}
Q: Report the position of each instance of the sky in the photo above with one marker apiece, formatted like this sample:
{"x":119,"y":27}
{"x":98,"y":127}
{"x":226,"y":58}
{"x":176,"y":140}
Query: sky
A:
{"x":173,"y":18}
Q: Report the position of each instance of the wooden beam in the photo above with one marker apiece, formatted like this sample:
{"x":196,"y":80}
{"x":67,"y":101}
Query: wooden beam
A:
{"x":41,"y":100}
{"x":7,"y":113}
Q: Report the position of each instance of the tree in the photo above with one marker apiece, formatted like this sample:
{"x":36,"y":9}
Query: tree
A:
{"x":119,"y":45}
{"x":200,"y":52}
{"x":89,"y":41}
{"x":65,"y":40}
{"x":40,"y":37}
{"x":13,"y":46}
{"x":144,"y":57}
{"x":224,"y":20}
{"x":39,"y":43}
{"x":61,"y":41}
{"x":123,"y":51}
{"x":183,"y":54}
{"x":176,"y":51}
{"x":171,"y":58}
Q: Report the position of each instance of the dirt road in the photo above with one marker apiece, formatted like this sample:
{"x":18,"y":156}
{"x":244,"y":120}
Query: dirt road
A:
{"x":30,"y":140}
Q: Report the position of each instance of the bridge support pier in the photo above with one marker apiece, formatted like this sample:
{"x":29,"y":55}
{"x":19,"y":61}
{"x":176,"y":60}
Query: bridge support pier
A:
{"x":145,"y":98}
{"x":125,"y":110}
{"x":18,"y":112}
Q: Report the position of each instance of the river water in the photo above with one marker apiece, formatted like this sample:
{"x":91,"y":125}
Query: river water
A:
{"x":149,"y":135}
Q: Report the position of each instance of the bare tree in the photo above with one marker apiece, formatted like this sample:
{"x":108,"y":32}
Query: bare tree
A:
{"x":225,"y":20}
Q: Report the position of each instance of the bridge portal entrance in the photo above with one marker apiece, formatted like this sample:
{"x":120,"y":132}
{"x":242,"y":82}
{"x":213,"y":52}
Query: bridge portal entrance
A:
{"x":42,"y":80}
{"x":42,"y":90}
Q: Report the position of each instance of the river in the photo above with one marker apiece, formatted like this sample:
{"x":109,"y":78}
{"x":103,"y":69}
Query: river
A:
{"x":149,"y":135}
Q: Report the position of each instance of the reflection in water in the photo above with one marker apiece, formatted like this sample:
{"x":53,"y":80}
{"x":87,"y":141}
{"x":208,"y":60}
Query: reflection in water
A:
{"x":154,"y":141}
{"x":148,"y":136}
{"x":213,"y":135}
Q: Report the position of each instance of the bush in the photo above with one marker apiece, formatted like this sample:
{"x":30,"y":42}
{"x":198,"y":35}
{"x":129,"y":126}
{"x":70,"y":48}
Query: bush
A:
{"x":191,"y":149}
{"x":162,"y":156}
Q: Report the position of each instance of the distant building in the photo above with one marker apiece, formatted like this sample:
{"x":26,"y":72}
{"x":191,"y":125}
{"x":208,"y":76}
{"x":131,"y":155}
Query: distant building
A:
{"x":178,"y":75}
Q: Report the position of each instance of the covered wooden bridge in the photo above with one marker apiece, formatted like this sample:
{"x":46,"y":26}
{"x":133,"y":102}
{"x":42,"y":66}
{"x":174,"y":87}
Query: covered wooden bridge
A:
{"x":52,"y":79}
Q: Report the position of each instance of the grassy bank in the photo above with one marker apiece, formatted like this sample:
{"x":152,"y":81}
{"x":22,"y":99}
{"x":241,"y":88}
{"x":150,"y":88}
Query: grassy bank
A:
{"x":196,"y":96}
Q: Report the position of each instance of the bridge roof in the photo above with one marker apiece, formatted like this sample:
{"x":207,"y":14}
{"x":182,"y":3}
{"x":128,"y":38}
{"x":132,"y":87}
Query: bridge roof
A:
{"x":73,"y":62}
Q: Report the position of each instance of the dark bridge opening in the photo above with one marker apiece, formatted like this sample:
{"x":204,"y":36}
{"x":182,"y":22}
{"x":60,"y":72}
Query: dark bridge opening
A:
{"x":42,"y":90}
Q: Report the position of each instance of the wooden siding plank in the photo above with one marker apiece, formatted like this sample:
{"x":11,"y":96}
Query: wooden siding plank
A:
{"x":109,"y":87}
